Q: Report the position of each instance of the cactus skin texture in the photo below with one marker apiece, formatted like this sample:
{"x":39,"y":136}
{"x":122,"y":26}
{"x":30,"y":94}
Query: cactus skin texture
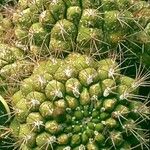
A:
{"x":62,"y":26}
{"x":79,"y":103}
{"x":13,"y":68}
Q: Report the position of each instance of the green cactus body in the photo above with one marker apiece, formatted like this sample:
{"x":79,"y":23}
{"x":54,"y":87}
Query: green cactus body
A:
{"x":78,"y":102}
{"x":13,"y":68}
{"x":63,"y":26}
{"x":78,"y":107}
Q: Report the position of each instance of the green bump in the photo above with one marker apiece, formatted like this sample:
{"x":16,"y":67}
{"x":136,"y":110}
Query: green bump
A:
{"x":95,"y":90}
{"x":57,"y":9}
{"x":92,"y":145}
{"x":85,"y":97}
{"x":89,"y":39}
{"x":72,"y":102}
{"x":64,"y":30}
{"x":34,"y":100}
{"x":109,"y":104}
{"x":99,"y":127}
{"x":63,"y":139}
{"x":53,"y":127}
{"x":65,"y":72}
{"x":46,"y":109}
{"x":78,"y":115}
{"x":38,"y":35}
{"x":54,"y":90}
{"x":46,"y":19}
{"x":91,"y":18}
{"x":25,"y":17}
{"x":77,"y":128}
{"x":74,"y":14}
{"x":116,"y":137}
{"x":44,"y":140}
{"x":75,"y":140}
{"x":111,"y":123}
{"x":27,"y":136}
{"x":21,"y":110}
{"x":35,"y":120}
{"x":60,"y":46}
{"x":73,"y":87}
{"x":120,"y":111}
{"x":109,"y":87}
{"x":88,"y":76}
{"x":21,"y":34}
{"x":107,"y":68}
{"x":99,"y":138}
{"x":109,"y":5}
{"x":16,"y":97}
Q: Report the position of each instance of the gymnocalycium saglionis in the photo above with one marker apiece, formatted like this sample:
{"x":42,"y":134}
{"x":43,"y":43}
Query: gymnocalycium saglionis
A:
{"x":78,"y":103}
{"x":75,"y":103}
{"x":61,"y":26}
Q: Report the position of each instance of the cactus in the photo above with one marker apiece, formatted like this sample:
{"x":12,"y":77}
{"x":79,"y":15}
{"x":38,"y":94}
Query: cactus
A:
{"x":79,"y":103}
{"x":13,"y":68}
{"x":61,"y":26}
